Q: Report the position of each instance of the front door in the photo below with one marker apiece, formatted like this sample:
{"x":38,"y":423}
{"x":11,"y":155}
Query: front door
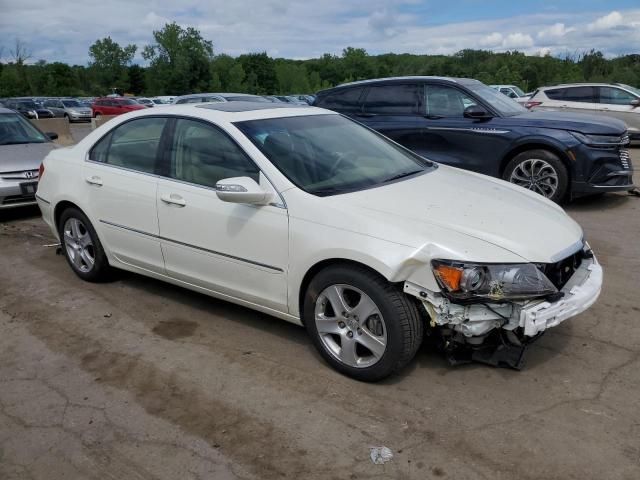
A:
{"x":451,"y":138}
{"x":121,"y":185}
{"x":237,"y":250}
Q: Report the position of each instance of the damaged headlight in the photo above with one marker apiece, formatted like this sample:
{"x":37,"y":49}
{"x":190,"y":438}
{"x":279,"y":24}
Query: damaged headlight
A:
{"x":464,"y":281}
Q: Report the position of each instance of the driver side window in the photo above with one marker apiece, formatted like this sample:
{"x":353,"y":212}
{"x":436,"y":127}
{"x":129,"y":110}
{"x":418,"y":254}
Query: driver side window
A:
{"x":443,"y":101}
{"x":203,"y":155}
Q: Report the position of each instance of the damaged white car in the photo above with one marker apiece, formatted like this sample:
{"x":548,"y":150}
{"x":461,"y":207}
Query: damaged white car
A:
{"x":308,"y":216}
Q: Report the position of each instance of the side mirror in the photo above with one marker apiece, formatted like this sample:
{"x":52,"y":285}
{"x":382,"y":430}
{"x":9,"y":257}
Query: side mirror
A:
{"x":52,"y":135}
{"x":476,"y":111}
{"x":635,"y":103}
{"x":242,"y":190}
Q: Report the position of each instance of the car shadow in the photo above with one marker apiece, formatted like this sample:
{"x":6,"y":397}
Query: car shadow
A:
{"x":428,"y":357}
{"x":19,"y":213}
{"x":606,"y":201}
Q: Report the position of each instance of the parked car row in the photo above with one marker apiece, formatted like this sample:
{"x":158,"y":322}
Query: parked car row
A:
{"x":466,"y":124}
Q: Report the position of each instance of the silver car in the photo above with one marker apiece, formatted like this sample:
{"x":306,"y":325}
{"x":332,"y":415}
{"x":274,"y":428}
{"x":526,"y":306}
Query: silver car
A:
{"x":22,"y":148}
{"x":610,"y":99}
{"x":69,"y":108}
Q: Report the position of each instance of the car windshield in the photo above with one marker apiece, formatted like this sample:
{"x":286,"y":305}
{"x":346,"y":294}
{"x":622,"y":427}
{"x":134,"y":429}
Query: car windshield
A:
{"x":499,"y":101}
{"x":28,"y":105}
{"x":128,"y":102}
{"x":15,"y":129}
{"x":631,"y":89}
{"x":330,"y":154}
{"x":518,"y":91}
{"x":71,"y":103}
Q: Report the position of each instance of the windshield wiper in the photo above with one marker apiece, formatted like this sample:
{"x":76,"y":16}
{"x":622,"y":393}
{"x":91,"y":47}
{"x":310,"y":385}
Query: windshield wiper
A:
{"x":433,"y":117}
{"x":18,"y":142}
{"x":401,"y":175}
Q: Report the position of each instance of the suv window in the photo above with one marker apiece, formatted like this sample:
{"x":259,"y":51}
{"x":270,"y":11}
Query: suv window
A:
{"x":343,"y":100}
{"x":572,"y":94}
{"x":132,"y":145}
{"x":615,"y":96}
{"x":443,"y":101}
{"x":394,"y":99}
{"x":203,"y":155}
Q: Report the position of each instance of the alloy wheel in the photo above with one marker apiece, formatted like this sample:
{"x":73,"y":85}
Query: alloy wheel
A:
{"x":79,"y":245}
{"x":536,"y":175}
{"x":350,"y":325}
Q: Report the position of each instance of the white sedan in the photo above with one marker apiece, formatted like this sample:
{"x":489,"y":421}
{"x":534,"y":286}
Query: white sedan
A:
{"x":308,"y":216}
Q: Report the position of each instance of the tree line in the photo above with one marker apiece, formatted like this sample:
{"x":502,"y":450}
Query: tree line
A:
{"x":180,"y":60}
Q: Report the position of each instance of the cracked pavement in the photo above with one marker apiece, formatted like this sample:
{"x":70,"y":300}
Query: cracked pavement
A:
{"x":136,"y":379}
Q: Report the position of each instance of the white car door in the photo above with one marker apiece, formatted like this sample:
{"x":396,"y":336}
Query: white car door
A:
{"x":616,"y":102}
{"x":121,"y":186}
{"x":233,"y":249}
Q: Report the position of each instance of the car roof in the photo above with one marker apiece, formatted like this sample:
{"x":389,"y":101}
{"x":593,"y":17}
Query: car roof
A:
{"x":240,"y":106}
{"x":582,"y":84}
{"x":227,"y":112}
{"x":461,"y":81}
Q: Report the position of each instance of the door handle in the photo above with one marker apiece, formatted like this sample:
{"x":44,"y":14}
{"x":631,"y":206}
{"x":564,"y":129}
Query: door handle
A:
{"x":173,"y":199}
{"x":94,"y":180}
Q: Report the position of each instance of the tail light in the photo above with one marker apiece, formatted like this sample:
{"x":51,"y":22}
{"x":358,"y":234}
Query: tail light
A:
{"x":41,"y":171}
{"x":530,"y":105}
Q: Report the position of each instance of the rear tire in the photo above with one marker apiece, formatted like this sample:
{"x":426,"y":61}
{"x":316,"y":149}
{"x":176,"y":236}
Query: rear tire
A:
{"x":540,"y":171}
{"x":81,"y":246}
{"x":378,"y":331}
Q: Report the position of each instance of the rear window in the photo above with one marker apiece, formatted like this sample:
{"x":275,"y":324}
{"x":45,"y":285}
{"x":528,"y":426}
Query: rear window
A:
{"x":343,"y":100}
{"x":572,"y":94}
{"x":394,"y":99}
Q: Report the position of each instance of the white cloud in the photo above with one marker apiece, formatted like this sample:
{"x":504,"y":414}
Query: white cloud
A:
{"x":493,"y":40}
{"x":518,"y":40}
{"x":555,"y":31}
{"x":612,"y":20}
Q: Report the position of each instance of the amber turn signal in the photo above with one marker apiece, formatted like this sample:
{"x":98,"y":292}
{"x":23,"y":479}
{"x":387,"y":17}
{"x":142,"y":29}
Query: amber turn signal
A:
{"x":449,"y":276}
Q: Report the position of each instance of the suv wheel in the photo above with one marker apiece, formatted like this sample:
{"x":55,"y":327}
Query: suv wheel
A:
{"x":540,"y":171}
{"x":362,"y":325}
{"x":81,"y":246}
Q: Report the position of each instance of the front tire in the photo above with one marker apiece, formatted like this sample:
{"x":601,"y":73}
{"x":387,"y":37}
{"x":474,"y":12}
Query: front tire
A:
{"x":362,"y":325}
{"x":82,"y":247}
{"x":540,"y":171}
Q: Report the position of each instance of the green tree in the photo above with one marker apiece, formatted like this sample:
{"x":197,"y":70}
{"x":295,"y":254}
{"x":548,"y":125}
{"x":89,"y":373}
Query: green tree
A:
{"x":109,"y":63}
{"x":136,"y":79}
{"x":179,"y":60}
{"x":235,"y":81}
{"x":261,"y":66}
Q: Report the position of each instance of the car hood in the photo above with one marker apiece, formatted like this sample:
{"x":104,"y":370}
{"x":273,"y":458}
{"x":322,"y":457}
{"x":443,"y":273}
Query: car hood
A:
{"x":415,"y":210}
{"x":577,"y":122}
{"x":80,"y":109}
{"x":25,"y":156}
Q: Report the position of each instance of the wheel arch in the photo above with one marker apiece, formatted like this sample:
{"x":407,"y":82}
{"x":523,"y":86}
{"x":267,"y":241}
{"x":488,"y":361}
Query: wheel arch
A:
{"x":537,"y":144}
{"x":60,"y":207}
{"x":323,"y":264}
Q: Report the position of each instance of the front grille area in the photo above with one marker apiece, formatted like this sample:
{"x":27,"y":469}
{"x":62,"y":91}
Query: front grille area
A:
{"x":26,"y":175}
{"x":624,"y":140}
{"x":14,"y":199}
{"x":560,"y":272}
{"x":625,"y":159}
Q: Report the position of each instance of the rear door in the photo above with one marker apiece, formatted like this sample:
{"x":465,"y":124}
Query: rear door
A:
{"x":581,"y":99}
{"x":121,"y":183}
{"x":55,"y":106}
{"x":395,"y":111}
{"x":616,"y":102}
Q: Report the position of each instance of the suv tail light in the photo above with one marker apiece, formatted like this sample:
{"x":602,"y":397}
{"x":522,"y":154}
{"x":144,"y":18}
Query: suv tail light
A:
{"x":530,"y":105}
{"x":41,"y":171}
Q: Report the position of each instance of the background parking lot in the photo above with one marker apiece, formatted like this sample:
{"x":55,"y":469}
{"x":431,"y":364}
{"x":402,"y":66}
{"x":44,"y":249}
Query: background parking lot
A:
{"x":138,"y":379}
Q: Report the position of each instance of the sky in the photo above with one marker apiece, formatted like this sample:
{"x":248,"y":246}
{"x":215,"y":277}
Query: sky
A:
{"x":63,"y":30}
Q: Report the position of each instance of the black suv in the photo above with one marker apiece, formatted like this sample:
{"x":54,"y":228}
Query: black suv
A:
{"x":464,"y":123}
